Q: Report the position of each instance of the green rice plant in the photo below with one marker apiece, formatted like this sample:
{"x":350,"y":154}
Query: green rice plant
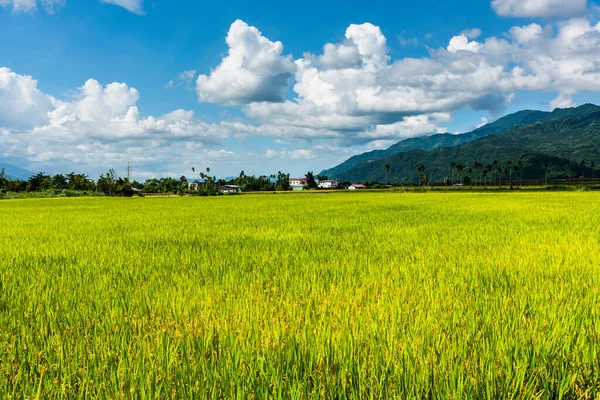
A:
{"x":344,"y":295}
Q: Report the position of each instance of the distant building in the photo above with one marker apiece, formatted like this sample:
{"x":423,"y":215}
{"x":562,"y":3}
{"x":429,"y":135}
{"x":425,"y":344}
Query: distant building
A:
{"x":230,"y":189}
{"x":328,"y":184}
{"x":298,"y":183}
{"x":357,"y":186}
{"x":193,"y":185}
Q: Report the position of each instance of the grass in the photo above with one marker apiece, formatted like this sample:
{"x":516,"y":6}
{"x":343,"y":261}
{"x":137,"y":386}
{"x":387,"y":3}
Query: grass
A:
{"x":342,"y":295}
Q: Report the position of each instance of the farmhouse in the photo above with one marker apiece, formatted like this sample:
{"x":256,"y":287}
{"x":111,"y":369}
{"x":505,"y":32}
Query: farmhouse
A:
{"x":298,"y":183}
{"x":357,"y":186}
{"x":328,"y":184}
{"x":193,"y":185}
{"x":230,"y":189}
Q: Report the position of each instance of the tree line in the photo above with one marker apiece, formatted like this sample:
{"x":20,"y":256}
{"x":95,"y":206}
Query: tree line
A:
{"x":110,"y":184}
{"x":496,"y":173}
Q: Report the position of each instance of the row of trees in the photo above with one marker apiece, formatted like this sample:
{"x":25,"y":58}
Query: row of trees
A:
{"x":41,"y":182}
{"x":279,"y":181}
{"x":495,"y":173}
{"x":111,"y":184}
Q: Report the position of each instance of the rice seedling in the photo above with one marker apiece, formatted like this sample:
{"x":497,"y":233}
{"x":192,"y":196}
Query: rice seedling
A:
{"x":365,"y":295}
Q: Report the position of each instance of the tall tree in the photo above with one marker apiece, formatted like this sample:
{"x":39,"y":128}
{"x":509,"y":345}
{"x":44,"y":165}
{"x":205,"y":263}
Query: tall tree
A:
{"x":387,"y":173}
{"x":421,"y":170}
{"x":39,"y":182}
{"x":310,"y":180}
{"x":59,"y":181}
{"x":2,"y":179}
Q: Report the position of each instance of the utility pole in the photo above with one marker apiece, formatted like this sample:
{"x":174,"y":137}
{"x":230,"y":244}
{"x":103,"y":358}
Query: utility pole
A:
{"x":128,"y":172}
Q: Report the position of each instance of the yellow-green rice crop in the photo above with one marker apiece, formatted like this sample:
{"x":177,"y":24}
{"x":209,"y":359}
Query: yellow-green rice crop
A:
{"x":363,"y":295}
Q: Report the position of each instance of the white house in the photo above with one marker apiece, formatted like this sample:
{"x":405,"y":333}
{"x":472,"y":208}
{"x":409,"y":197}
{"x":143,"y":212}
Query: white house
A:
{"x":230,"y":189}
{"x":357,"y":186}
{"x":298,"y":183}
{"x":193,"y":185}
{"x":328,"y":184}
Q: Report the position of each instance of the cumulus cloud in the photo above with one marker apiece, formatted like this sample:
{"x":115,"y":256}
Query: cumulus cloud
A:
{"x":28,"y":6}
{"x":253,"y":70}
{"x":412,"y":126}
{"x":461,"y":43}
{"x":539,"y":8}
{"x":99,"y":126}
{"x":563,"y":100}
{"x":134,"y":6}
{"x":526,"y":34}
{"x":352,"y":93}
{"x":472,"y":33}
{"x":22,"y":104}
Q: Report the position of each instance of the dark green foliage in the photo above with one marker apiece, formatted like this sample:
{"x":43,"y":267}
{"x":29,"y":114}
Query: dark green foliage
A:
{"x":311,"y":183}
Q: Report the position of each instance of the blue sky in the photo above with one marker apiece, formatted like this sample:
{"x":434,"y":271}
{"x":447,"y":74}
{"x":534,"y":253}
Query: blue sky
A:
{"x":272,"y":98}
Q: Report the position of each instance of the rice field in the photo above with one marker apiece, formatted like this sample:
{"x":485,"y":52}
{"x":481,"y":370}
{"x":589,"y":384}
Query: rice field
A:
{"x":332,"y":296}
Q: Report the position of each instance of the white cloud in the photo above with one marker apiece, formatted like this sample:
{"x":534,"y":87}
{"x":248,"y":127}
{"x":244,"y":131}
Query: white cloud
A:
{"x":22,"y":105}
{"x":461,"y":43}
{"x":563,"y":100}
{"x":134,"y":6}
{"x":527,"y":34}
{"x":28,"y":6}
{"x":539,"y":8}
{"x":416,"y":125}
{"x":253,"y":70}
{"x":371,"y":45}
{"x":365,"y":96}
{"x":184,"y":78}
{"x":484,"y":121}
{"x":408,"y":42}
{"x":99,"y":126}
{"x":472,"y":33}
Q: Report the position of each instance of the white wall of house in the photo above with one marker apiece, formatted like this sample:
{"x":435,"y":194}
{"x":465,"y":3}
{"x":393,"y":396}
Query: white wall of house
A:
{"x":328,"y":184}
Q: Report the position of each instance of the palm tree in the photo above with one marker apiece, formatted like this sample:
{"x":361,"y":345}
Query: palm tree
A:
{"x":460,"y":168}
{"x":488,"y":169}
{"x":546,"y":165}
{"x":203,"y":177}
{"x":593,"y":165}
{"x":452,"y":167}
{"x":583,"y":164}
{"x":470,"y":172}
{"x":208,"y":177}
{"x":475,"y":167}
{"x":499,"y":171}
{"x":387,"y":173}
{"x":495,"y":165}
{"x":509,"y":163}
{"x":421,"y":170}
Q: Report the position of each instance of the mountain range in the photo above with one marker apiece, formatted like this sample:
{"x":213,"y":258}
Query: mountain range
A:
{"x":531,"y":139}
{"x":13,"y":172}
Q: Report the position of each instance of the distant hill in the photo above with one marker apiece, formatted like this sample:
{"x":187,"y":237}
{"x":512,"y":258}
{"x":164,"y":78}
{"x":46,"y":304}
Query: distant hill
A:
{"x":437,"y":141}
{"x":13,"y":172}
{"x":562,"y":139}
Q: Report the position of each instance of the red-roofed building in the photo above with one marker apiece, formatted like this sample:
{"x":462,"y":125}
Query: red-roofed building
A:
{"x":298,"y":183}
{"x":357,"y":186}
